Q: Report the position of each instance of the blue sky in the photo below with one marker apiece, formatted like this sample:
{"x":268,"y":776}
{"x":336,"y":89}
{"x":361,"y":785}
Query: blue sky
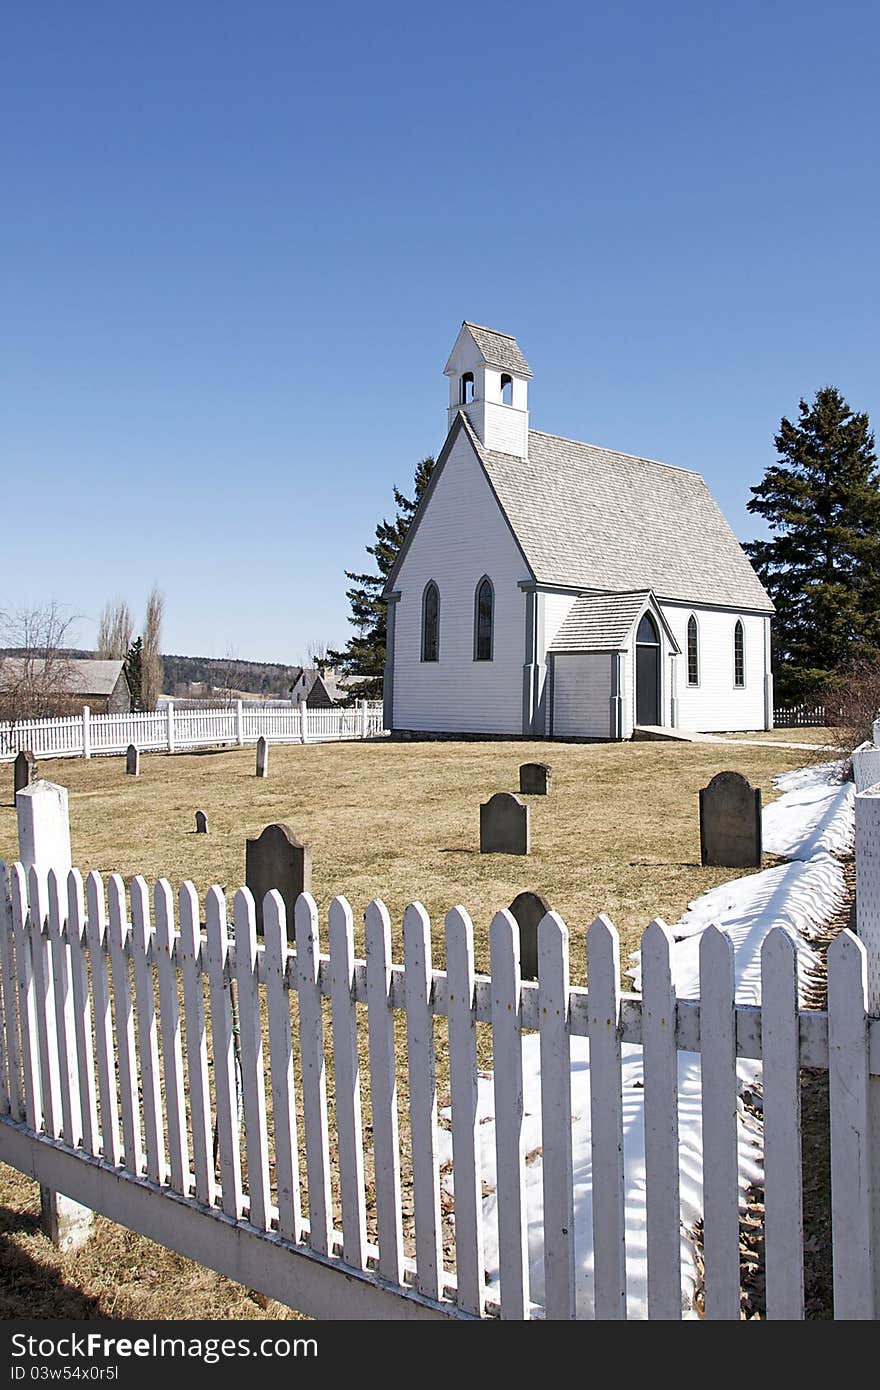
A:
{"x":237,"y":242}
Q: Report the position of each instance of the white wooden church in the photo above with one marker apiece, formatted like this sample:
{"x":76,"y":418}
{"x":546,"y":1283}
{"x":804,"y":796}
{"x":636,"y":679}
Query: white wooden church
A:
{"x":552,"y":589}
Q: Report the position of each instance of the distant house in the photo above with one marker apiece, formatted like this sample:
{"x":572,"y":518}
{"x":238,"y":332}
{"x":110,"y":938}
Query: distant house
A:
{"x":68,"y":684}
{"x":324,"y":689}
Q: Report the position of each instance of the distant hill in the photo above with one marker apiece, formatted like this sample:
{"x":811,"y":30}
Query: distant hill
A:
{"x":214,"y":673}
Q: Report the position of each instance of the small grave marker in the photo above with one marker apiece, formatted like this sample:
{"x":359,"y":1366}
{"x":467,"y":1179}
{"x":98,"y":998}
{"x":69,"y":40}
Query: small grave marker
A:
{"x":276,"y":859}
{"x":504,"y":825}
{"x":730,"y":822}
{"x":529,"y":909}
{"x":535,"y":779}
{"x":132,"y":761}
{"x":25,"y":770}
{"x":262,"y":756}
{"x":201,"y":823}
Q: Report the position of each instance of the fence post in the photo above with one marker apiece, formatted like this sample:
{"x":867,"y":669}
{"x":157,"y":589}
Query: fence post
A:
{"x":303,"y":733}
{"x":363,"y":718}
{"x":170,"y":712}
{"x":44,"y":844}
{"x":87,"y":732}
{"x":239,"y":722}
{"x":868,"y":929}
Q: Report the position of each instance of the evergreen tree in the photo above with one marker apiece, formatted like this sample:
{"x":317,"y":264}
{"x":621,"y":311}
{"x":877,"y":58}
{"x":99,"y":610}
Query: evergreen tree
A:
{"x":365,"y":653}
{"x":133,"y":667}
{"x":822,"y":565}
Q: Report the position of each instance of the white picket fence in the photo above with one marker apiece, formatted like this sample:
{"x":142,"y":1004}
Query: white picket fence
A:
{"x":172,"y":730}
{"x":118,"y":1069}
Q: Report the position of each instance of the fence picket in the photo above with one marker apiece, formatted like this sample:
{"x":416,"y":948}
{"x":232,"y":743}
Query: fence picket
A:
{"x":314,"y":1072}
{"x":96,"y":930}
{"x":253,"y":1081}
{"x":223,"y":1039}
{"x":465,"y":1117}
{"x":783,"y":1179}
{"x":172,"y":1041}
{"x":556,"y":1146}
{"x":346,"y":1070}
{"x":423,"y":1098}
{"x":196,"y":1044}
{"x":719,"y":1108}
{"x":118,"y":934}
{"x":661,"y":1124}
{"x":82,"y":1013}
{"x":44,"y":992}
{"x":508,"y":1080}
{"x":147,"y":1030}
{"x":10,"y":998}
{"x":27,"y":1002}
{"x":383,"y":1091}
{"x":848,"y":1080}
{"x":281,"y":1061}
{"x":606,"y":1120}
{"x":71,"y":1118}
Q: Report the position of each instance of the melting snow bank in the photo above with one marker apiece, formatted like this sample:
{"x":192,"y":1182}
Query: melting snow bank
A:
{"x":811,"y":820}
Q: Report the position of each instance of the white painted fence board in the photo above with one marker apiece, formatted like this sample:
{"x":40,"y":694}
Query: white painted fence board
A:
{"x":508,"y":1084}
{"x":44,"y":995}
{"x":222,"y":1036}
{"x":96,"y":931}
{"x":82,"y":1012}
{"x":661,"y":1125}
{"x":196,"y":1044}
{"x":606,"y":1120}
{"x":719,"y":1109}
{"x":147,"y":1029}
{"x":10,"y":997}
{"x":71,"y":1118}
{"x":783,"y":1178}
{"x":172,"y":1038}
{"x":383,"y":1092}
{"x":27,"y":1002}
{"x":314,"y":1073}
{"x":556,"y":1143}
{"x":346,"y":1071}
{"x":467,"y":1175}
{"x":117,"y":934}
{"x":281,"y":1062}
{"x":423,"y":1098}
{"x":851,"y":1196}
{"x":253,"y":1081}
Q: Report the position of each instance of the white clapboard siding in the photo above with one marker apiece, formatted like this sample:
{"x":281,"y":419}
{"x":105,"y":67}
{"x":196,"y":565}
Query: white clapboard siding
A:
{"x":252,"y":1071}
{"x":105,"y":1050}
{"x":851,"y":1178}
{"x":606,"y":1116}
{"x":10,"y":998}
{"x":423,"y":1098}
{"x":467,"y":1178}
{"x":196,"y":1044}
{"x":44,"y":997}
{"x":719,"y":1106}
{"x":147,"y":1029}
{"x":71,"y":1118}
{"x":509,"y":1151}
{"x":82,"y":1012}
{"x":281,"y":1062}
{"x":661,"y":1124}
{"x":172,"y":1038}
{"x":783,"y":1182}
{"x":383,"y":1091}
{"x":118,"y":934}
{"x":223,"y":1040}
{"x":314,"y":1072}
{"x":553,"y":978}
{"x":348,"y":1085}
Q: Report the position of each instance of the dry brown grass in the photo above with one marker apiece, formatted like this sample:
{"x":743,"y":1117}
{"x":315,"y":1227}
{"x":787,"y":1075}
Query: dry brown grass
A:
{"x":619,"y":834}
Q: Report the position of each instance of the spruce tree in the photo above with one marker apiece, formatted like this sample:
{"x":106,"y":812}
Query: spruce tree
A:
{"x":821,"y":567}
{"x":365,"y":653}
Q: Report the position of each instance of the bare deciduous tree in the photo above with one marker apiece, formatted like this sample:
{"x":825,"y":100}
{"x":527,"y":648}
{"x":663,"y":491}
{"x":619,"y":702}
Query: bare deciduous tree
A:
{"x":151,"y":660}
{"x":114,"y":631}
{"x":36,"y":668}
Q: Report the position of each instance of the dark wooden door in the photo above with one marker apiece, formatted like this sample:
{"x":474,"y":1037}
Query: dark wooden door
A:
{"x":647,"y":672}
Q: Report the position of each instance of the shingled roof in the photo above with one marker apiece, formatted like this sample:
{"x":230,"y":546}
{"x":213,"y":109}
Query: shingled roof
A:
{"x":590,"y":518}
{"x":599,"y":623}
{"x":499,"y":349}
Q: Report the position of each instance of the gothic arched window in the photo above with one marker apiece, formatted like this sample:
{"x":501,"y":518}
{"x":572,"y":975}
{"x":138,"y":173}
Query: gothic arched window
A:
{"x":739,"y":655}
{"x":693,"y":652}
{"x":431,"y":622}
{"x":484,"y":612}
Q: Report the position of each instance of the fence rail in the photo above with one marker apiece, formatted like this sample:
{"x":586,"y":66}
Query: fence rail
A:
{"x":173,"y":730}
{"x":805,"y":716}
{"x":101,"y":1098}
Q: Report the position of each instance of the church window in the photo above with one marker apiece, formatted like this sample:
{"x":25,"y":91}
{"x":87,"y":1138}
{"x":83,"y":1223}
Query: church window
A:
{"x":431,"y":622}
{"x":506,"y":389}
{"x":739,"y":656}
{"x":693,"y":652}
{"x":484,"y":607}
{"x":467,"y":388}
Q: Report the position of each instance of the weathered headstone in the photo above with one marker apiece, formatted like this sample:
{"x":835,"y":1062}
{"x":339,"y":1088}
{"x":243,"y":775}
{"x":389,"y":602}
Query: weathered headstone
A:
{"x":504,"y":825}
{"x":529,"y":909}
{"x":24,"y":770}
{"x":730,"y":822}
{"x":535,"y":778}
{"x":132,"y":761}
{"x":201,"y":823}
{"x":276,"y":859}
{"x":262,"y":757}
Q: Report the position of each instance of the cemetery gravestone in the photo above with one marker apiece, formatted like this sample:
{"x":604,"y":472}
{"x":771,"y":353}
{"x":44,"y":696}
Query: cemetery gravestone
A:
{"x":730,"y":822}
{"x":24,"y":771}
{"x":504,"y":825}
{"x":201,"y":823}
{"x":262,"y":757}
{"x":132,"y":761}
{"x":276,"y":859}
{"x":529,"y":909}
{"x":535,"y":778}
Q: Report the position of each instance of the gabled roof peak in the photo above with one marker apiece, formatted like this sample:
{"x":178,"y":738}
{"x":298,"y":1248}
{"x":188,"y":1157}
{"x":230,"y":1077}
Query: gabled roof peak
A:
{"x":497,"y":349}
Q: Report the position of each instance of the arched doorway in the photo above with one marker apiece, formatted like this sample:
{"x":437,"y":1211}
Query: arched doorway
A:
{"x":647,"y":672}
